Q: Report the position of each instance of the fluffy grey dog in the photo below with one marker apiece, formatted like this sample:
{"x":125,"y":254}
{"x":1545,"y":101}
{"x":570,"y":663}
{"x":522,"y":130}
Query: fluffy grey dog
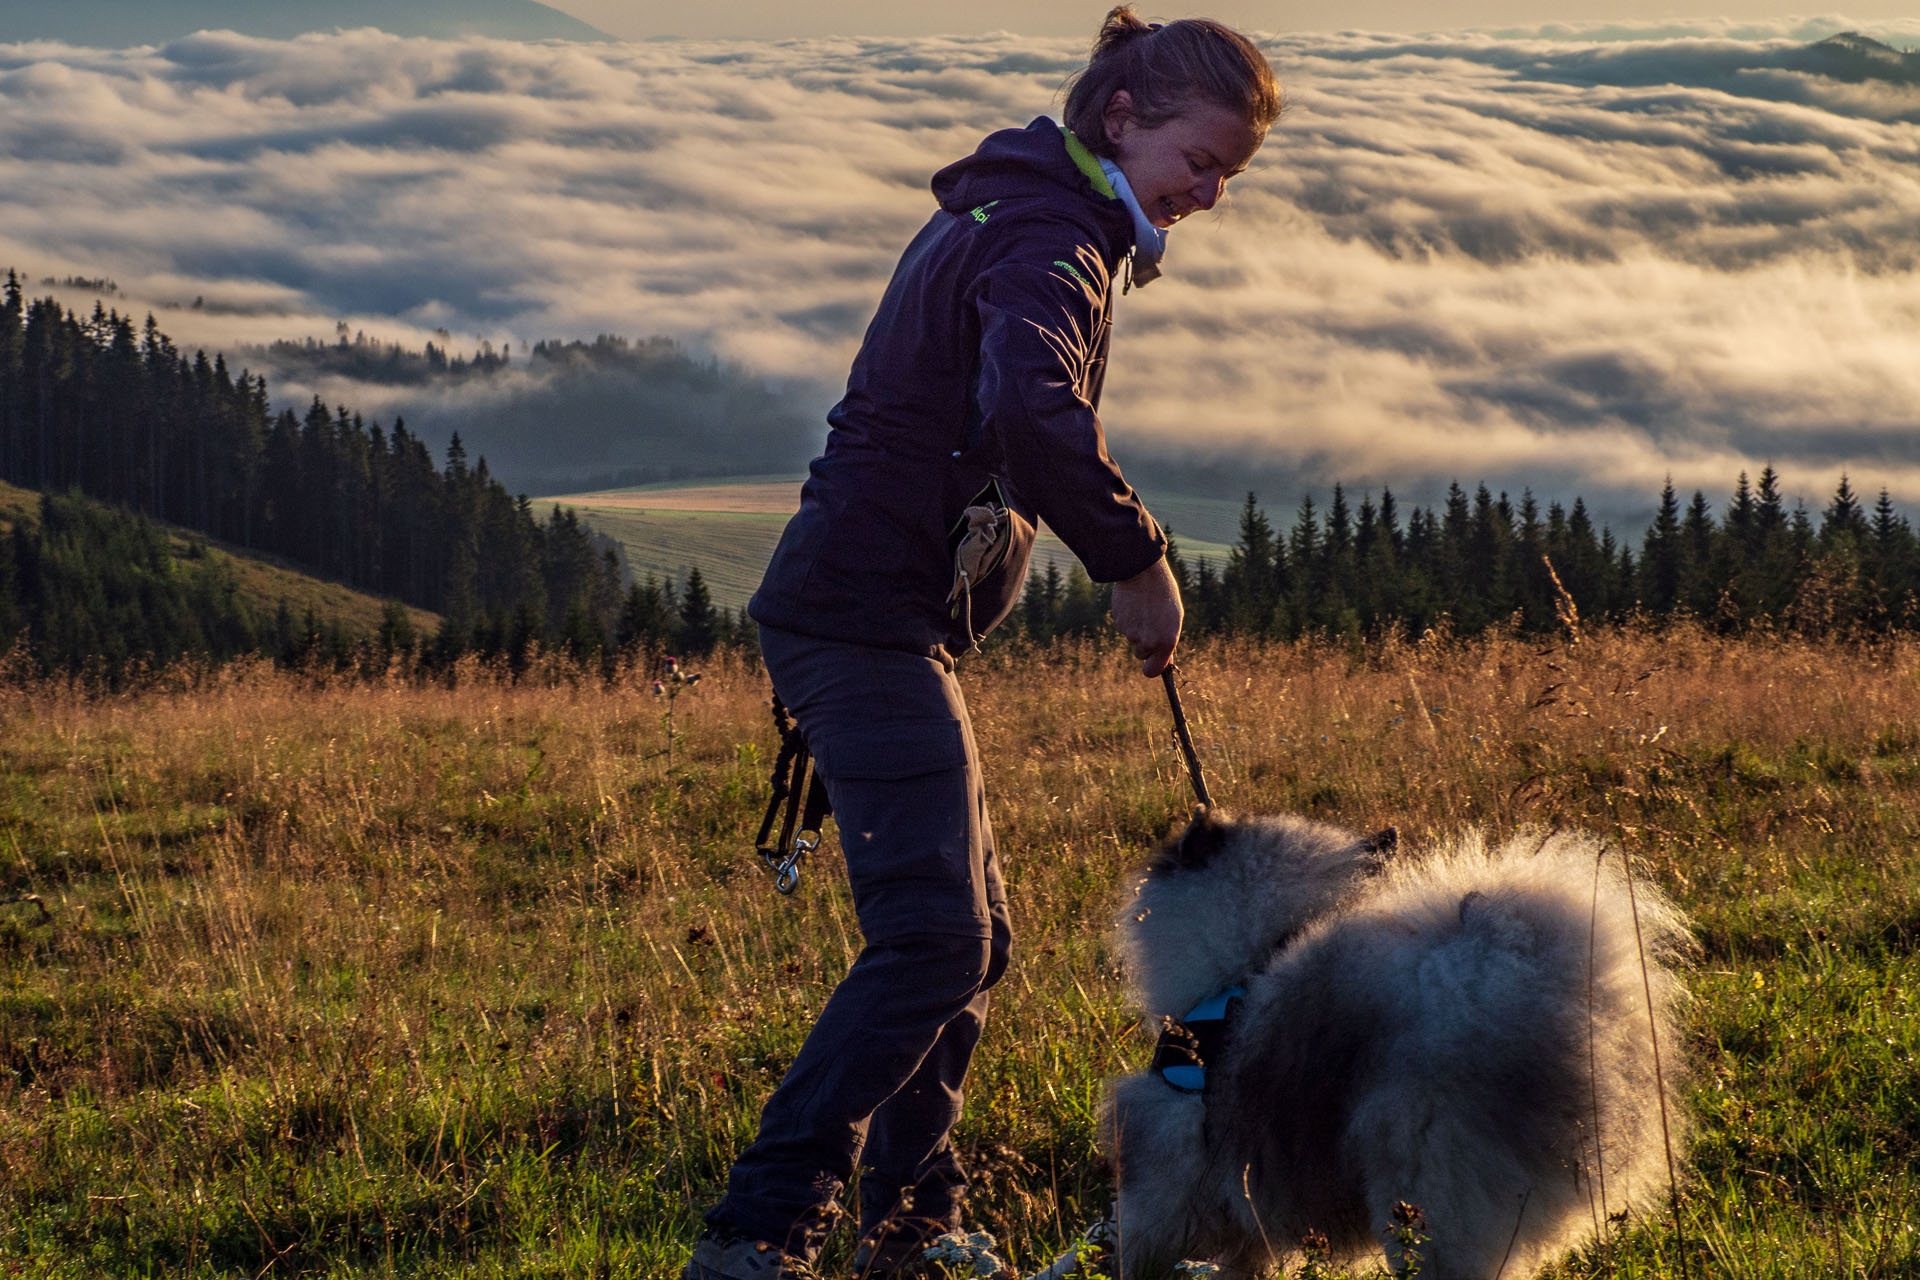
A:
{"x":1464,"y":1030}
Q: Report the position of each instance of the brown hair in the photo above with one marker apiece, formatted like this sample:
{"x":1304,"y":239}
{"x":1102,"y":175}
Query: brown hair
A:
{"x":1165,"y":68}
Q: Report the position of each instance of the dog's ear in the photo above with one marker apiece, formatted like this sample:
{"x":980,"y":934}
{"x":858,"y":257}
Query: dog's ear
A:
{"x":1195,"y":847}
{"x":1378,"y":849}
{"x":1385,"y":842}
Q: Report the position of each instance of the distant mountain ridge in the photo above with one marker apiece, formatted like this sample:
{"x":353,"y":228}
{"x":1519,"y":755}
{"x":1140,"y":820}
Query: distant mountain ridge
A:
{"x":116,"y":24}
{"x":562,"y":417}
{"x":1853,"y":57}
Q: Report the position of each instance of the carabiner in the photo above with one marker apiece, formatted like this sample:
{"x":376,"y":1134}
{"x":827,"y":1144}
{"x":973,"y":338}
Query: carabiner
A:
{"x":787,"y":879}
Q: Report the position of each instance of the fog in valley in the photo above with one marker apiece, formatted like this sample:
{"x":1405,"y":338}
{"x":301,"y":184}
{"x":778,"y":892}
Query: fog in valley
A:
{"x":1578,"y":260}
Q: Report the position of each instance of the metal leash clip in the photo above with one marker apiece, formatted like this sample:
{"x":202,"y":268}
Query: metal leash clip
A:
{"x":785,"y":871}
{"x":785,"y":867}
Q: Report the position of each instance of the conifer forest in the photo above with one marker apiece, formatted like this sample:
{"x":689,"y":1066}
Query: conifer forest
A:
{"x":100,"y":408}
{"x":96,"y":407}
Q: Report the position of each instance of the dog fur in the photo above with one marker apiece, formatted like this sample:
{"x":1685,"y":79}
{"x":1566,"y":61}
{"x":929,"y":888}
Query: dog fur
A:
{"x":1465,"y":1030}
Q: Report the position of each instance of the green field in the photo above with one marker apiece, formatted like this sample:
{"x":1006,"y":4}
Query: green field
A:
{"x":728,"y":528}
{"x":476,"y":977}
{"x":731,"y":548}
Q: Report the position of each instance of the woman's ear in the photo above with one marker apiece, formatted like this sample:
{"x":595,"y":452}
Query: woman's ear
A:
{"x":1119,"y":114}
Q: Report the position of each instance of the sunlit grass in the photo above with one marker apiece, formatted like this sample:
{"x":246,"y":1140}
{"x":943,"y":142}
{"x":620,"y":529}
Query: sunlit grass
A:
{"x":476,"y":978}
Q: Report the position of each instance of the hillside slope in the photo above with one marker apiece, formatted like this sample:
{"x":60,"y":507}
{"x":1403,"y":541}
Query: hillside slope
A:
{"x":262,"y":581}
{"x":1859,"y":59}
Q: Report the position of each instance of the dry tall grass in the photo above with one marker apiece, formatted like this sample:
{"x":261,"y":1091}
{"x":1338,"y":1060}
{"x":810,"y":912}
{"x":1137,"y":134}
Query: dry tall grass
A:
{"x":479,"y":977}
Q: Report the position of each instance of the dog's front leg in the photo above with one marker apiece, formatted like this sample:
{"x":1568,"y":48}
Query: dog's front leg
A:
{"x":1156,"y":1136}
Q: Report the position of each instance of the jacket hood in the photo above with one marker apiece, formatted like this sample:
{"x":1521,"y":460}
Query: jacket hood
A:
{"x":1027,"y":162}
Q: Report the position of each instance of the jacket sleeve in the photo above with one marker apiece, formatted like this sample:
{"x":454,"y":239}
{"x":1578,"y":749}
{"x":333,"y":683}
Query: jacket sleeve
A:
{"x":1040,"y":333}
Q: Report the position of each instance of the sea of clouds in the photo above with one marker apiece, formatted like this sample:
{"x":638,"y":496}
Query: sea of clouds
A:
{"x":1579,"y":260}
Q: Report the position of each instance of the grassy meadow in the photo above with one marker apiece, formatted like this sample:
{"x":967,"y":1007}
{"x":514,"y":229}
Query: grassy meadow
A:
{"x":729,"y":528}
{"x":329,"y":978}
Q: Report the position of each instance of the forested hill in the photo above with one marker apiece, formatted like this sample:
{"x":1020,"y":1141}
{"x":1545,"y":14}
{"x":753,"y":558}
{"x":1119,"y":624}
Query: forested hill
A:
{"x":566,"y":417}
{"x":97,"y":406}
{"x":1860,"y":59}
{"x":90,"y":588}
{"x":116,"y":412}
{"x":1485,"y":560}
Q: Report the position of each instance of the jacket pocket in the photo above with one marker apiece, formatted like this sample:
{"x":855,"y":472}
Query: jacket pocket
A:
{"x":902,"y":749}
{"x":991,"y":543}
{"x":995,"y":595}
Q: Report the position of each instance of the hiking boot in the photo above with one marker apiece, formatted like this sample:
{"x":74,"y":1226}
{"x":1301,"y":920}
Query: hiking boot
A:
{"x":727,"y":1257}
{"x":896,"y":1249}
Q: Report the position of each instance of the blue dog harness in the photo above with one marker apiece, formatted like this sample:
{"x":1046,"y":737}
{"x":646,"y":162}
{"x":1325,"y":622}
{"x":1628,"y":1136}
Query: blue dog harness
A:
{"x":1187,"y":1044}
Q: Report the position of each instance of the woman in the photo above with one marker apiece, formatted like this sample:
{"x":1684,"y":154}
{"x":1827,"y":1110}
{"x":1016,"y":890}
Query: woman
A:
{"x":968,"y":413}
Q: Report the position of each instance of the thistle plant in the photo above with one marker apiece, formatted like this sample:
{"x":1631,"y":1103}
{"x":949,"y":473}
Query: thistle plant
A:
{"x":1088,"y":1258}
{"x":1408,"y":1237}
{"x":1316,"y":1258}
{"x":961,"y":1254}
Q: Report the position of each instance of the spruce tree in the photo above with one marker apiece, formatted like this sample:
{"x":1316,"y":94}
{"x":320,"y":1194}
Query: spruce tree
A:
{"x":1251,"y":579}
{"x":1040,"y":604}
{"x":1662,"y":558}
{"x":1770,"y":513}
{"x":12,"y":402}
{"x":1700,"y":587}
{"x":1339,"y":567}
{"x":645,"y":622}
{"x":1743,"y":516}
{"x":1891,"y":566}
{"x":1843,"y":521}
{"x":1206,"y":607}
{"x":699,"y":624}
{"x":1083,"y":607}
{"x":1299,"y":607}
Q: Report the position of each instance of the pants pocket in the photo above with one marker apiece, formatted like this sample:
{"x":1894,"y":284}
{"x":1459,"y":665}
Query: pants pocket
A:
{"x":891,"y":752}
{"x":908,"y":806}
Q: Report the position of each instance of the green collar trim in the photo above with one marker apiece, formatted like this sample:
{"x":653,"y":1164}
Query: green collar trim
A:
{"x":1089,"y":164}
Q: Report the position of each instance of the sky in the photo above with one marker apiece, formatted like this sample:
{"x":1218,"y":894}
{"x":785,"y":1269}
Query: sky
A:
{"x":782,"y":19}
{"x":1571,"y":262}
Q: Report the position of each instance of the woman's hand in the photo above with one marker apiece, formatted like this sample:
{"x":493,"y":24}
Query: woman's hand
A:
{"x":1146,"y":608}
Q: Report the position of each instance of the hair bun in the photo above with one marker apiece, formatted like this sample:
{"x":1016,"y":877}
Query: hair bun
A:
{"x":1123,"y":26}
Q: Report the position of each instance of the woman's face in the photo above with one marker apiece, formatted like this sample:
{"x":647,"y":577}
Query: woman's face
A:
{"x":1182,"y":164}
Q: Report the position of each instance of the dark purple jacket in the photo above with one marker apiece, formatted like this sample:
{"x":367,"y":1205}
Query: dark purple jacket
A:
{"x":984,"y":362}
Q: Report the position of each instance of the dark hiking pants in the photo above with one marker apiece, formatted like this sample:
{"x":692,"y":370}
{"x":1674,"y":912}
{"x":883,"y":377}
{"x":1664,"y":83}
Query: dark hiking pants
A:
{"x":883,"y":1067}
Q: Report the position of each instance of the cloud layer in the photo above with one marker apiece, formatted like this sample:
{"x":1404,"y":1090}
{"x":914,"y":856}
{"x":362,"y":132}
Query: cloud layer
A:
{"x":1573,"y":259}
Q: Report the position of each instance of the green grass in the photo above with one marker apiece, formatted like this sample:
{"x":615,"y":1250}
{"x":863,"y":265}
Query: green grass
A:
{"x":266,"y":580}
{"x":478,"y":978}
{"x":17,"y":504}
{"x":263,"y":580}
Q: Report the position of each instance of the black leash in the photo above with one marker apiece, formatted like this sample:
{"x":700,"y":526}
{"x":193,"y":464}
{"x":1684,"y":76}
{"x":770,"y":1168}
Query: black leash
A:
{"x":799,"y":829}
{"x":1185,"y":739}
